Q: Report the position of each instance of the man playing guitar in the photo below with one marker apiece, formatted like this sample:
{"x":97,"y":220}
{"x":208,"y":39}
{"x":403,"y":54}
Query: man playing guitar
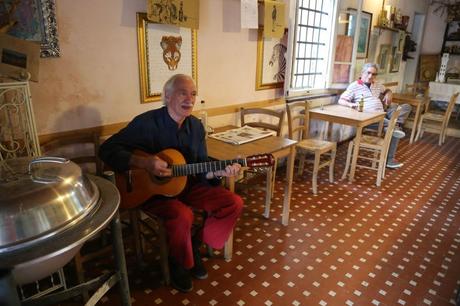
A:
{"x":173,"y":127}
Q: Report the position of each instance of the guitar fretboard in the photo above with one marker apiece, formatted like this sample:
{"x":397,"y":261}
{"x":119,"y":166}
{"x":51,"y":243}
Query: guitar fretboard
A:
{"x":190,"y":169}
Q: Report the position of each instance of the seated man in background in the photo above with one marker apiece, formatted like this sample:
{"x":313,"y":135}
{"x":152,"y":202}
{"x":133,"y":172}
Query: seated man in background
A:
{"x":375,"y":96}
{"x":173,"y":126}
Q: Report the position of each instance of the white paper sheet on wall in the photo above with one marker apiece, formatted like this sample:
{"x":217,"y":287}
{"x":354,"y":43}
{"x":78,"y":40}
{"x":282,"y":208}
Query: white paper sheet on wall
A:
{"x":249,"y":14}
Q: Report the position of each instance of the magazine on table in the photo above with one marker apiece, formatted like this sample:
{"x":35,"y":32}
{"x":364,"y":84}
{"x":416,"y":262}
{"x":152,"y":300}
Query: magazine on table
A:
{"x":242,"y":135}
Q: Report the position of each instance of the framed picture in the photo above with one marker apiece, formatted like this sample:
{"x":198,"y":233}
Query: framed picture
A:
{"x":395,"y":59}
{"x":271,"y":61}
{"x":164,"y":50}
{"x":383,"y":57}
{"x":364,"y":31}
{"x":401,"y":39}
{"x":33,"y":20}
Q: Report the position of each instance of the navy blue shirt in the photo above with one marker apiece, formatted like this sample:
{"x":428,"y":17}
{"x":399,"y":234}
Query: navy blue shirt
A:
{"x":152,"y":132}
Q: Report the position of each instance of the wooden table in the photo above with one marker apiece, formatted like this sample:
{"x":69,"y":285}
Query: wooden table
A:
{"x":345,"y":115}
{"x":413,"y":100}
{"x":278,"y":147}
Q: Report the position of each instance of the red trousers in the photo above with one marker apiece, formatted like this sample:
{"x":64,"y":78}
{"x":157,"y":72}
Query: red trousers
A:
{"x":223,"y":208}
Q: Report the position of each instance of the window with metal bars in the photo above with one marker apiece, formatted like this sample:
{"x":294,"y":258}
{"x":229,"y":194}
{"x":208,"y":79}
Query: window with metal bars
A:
{"x":312,"y":41}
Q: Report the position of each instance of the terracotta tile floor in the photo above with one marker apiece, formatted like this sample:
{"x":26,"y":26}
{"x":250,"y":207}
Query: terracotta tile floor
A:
{"x":352,"y":244}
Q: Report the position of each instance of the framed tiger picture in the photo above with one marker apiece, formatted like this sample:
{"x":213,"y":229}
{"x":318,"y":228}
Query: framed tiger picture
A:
{"x":271,"y":61}
{"x":164,"y":50}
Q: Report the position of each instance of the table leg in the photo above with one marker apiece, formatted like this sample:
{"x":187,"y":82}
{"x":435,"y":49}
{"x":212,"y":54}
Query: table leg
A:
{"x":416,"y":119}
{"x":288,"y":188}
{"x":268,"y":193}
{"x":228,"y":247}
{"x":359,"y":131}
{"x":119,"y":254}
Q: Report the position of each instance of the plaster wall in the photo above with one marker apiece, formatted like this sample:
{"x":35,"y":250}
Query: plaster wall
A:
{"x":96,"y":81}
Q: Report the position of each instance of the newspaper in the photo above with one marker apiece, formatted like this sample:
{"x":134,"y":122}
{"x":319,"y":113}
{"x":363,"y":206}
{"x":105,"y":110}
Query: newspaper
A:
{"x":242,"y":135}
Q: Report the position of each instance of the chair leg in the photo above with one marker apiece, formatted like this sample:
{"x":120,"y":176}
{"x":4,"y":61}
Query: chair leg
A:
{"x":81,"y":275}
{"x":381,"y":169}
{"x":443,"y":133}
{"x":331,"y":165}
{"x":301,"y":163}
{"x":315,"y":173}
{"x":272,"y":191}
{"x":347,"y":164}
{"x":134,"y":218}
{"x":419,"y":129}
{"x":268,"y":192}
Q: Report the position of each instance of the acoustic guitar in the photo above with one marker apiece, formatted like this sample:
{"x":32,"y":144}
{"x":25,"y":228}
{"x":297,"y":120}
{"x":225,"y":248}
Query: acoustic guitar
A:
{"x":137,"y":185}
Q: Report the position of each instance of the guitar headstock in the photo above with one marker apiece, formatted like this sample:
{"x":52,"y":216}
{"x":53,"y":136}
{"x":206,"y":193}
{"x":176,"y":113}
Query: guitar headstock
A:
{"x":260,"y":160}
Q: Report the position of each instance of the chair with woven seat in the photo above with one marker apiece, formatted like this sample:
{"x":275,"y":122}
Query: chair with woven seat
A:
{"x":375,"y":148}
{"x":265,"y":119}
{"x":299,"y":124}
{"x":82,"y":149}
{"x":417,"y":88}
{"x":441,"y":120}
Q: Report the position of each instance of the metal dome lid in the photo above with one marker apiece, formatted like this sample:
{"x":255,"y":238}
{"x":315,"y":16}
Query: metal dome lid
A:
{"x":41,"y":197}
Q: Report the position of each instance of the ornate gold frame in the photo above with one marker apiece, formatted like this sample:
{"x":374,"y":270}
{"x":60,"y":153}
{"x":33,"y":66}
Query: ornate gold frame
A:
{"x":143,"y":52}
{"x":261,"y":63}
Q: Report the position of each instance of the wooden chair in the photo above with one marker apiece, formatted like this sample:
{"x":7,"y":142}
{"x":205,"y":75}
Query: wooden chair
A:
{"x":80,"y":148}
{"x":376,"y":148}
{"x":83,"y":150}
{"x":266,"y":119}
{"x":441,"y":120}
{"x":298,"y":123}
{"x":417,"y":88}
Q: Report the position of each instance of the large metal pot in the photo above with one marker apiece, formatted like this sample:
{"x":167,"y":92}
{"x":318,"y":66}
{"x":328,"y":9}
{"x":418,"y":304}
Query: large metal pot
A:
{"x":48,"y":209}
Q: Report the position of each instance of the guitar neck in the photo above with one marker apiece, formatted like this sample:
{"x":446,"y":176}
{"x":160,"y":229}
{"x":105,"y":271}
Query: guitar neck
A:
{"x":191,"y":169}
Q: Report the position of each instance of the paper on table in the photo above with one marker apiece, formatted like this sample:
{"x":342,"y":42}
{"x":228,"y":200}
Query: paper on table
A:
{"x":242,"y":135}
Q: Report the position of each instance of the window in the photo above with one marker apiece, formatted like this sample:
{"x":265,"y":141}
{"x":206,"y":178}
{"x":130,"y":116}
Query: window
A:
{"x":311,"y":47}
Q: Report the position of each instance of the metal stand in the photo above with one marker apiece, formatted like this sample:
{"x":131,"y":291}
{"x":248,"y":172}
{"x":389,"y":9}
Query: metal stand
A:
{"x":103,"y":283}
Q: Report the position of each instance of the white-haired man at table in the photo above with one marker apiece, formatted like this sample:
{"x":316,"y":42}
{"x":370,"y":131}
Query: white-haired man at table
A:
{"x":375,"y":96}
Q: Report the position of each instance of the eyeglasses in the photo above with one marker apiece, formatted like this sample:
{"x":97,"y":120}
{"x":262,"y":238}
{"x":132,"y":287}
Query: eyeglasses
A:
{"x":373,"y":73}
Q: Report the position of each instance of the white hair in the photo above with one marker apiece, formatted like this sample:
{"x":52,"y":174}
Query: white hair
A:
{"x":369,"y":65}
{"x":170,"y":84}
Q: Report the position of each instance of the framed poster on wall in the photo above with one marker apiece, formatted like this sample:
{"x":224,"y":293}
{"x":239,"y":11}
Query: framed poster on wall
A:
{"x":164,"y":51}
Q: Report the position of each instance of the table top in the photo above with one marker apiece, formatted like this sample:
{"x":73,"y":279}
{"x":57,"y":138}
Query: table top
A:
{"x":345,"y":115}
{"x":220,"y":150}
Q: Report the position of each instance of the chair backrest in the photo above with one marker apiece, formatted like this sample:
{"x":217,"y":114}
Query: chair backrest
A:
{"x":298,"y":119}
{"x":450,"y":107}
{"x":81,"y":149}
{"x":390,"y":129}
{"x":417,"y":88}
{"x":274,"y":115}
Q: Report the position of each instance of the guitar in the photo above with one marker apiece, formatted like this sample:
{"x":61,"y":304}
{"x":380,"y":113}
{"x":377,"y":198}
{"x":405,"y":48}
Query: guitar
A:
{"x":137,"y":185}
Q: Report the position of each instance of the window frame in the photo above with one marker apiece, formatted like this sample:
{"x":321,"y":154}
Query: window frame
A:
{"x":293,"y":21}
{"x":336,"y":10}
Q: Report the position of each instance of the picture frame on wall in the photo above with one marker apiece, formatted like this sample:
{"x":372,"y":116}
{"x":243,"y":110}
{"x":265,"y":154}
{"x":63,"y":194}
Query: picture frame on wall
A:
{"x":33,"y":20}
{"x":364,"y":31}
{"x":271,"y":61}
{"x":395,"y":59}
{"x":164,"y":50}
{"x":384,"y":57}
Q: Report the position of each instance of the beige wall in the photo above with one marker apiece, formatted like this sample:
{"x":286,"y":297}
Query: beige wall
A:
{"x":95,"y":81}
